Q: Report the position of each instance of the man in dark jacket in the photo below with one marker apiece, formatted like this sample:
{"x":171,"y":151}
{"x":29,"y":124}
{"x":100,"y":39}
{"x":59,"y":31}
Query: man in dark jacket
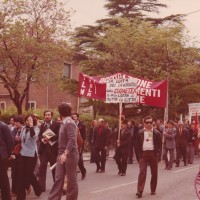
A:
{"x":48,"y":149}
{"x":182,"y":138}
{"x":149,"y":147}
{"x":101,"y":143}
{"x":123,"y":148}
{"x":82,"y":129}
{"x":6,"y":147}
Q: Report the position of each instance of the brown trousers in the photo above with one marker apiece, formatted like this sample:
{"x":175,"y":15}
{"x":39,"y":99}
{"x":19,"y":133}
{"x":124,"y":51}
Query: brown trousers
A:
{"x":148,"y":157}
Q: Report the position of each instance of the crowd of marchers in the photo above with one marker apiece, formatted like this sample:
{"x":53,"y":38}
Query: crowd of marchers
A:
{"x":27,"y":145}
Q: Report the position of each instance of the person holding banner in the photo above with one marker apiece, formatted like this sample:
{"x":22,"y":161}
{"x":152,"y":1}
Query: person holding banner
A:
{"x":123,"y":148}
{"x":101,"y":143}
{"x":149,"y":142}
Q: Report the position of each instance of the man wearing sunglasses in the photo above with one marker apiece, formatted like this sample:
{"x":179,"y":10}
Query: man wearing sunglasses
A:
{"x":149,"y":142}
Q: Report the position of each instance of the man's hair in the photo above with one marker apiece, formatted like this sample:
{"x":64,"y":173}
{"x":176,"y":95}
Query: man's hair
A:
{"x":19,"y":118}
{"x":48,"y":111}
{"x":64,"y":110}
{"x":147,"y":117}
{"x":76,"y":114}
{"x":125,"y":122}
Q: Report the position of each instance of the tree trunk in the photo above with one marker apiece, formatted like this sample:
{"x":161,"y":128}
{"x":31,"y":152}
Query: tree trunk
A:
{"x":19,"y":110}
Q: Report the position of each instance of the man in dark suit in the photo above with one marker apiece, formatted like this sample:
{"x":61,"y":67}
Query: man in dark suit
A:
{"x":123,"y":148}
{"x":48,"y":149}
{"x":149,"y":142}
{"x":182,"y":138}
{"x":67,"y":157}
{"x":6,"y":147}
{"x":101,"y":143}
{"x":82,"y":129}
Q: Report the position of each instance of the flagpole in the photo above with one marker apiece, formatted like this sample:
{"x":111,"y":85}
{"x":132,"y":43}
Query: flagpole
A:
{"x":165,"y":121}
{"x":78,"y":103}
{"x":120,"y":122}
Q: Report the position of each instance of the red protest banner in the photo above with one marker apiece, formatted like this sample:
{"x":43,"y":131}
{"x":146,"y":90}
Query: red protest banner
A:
{"x":148,"y":92}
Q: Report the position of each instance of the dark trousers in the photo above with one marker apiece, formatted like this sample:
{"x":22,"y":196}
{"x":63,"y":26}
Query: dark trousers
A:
{"x":121,"y":160}
{"x":14,"y":173}
{"x":100,"y":157}
{"x":26,"y":176}
{"x":136,"y":152}
{"x":4,"y":181}
{"x":130,"y":156}
{"x":91,"y":153}
{"x":148,"y":157}
{"x":46,"y":156}
{"x":169,"y":163}
{"x":81,"y":164}
{"x":181,"y":151}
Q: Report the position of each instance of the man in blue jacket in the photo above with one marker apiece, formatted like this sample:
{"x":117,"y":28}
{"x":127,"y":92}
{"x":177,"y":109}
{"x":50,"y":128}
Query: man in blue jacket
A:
{"x":6,"y":147}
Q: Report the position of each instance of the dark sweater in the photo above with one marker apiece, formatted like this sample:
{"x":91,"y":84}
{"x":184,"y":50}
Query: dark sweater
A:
{"x":6,"y":141}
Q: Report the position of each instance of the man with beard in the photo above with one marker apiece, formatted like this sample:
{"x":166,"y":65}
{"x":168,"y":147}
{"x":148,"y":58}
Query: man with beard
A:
{"x":48,"y":150}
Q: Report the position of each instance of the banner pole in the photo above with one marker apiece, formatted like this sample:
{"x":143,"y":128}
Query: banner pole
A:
{"x":78,"y":103}
{"x":120,"y":122}
{"x":165,"y":113}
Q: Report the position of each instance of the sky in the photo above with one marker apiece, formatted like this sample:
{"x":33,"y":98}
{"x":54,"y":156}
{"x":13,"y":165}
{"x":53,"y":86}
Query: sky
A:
{"x":88,"y":11}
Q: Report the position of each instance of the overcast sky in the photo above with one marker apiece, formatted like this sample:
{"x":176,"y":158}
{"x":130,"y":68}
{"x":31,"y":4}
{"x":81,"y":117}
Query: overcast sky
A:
{"x":88,"y":11}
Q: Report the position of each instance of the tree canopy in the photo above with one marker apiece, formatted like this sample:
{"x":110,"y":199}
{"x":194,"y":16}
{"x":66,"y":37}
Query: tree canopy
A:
{"x":33,"y":34}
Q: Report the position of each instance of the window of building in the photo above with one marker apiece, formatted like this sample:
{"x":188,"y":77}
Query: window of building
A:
{"x":2,"y":105}
{"x":67,"y":70}
{"x":32,"y":105}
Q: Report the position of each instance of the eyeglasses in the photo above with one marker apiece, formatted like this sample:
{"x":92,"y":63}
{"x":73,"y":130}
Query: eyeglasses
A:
{"x":148,"y":122}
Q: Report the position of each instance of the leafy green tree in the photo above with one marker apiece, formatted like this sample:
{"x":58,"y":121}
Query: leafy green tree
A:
{"x":32,"y":36}
{"x":141,"y":49}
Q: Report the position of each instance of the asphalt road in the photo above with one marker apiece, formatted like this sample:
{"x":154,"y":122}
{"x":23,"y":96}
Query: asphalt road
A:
{"x":175,"y":184}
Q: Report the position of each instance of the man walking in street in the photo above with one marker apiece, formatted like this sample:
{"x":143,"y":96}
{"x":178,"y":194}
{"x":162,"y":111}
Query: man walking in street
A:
{"x":182,"y":138}
{"x":82,"y":130}
{"x":6,"y":147}
{"x":149,"y":142}
{"x":48,"y":149}
{"x":101,"y":143}
{"x":67,"y":157}
{"x":169,"y":144}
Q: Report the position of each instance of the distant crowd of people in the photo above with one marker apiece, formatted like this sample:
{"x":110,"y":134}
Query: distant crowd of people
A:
{"x":27,"y":145}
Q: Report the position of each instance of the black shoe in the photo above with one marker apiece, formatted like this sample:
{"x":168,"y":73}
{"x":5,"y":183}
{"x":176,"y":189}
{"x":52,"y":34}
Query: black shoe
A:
{"x":153,"y":193}
{"x":177,"y":165}
{"x":185,"y":164}
{"x":38,"y":193}
{"x":139,"y":194}
{"x":119,"y":173}
{"x":83,"y":175}
{"x":64,"y":192}
{"x":169,"y":168}
{"x":102,"y":171}
{"x":97,"y":170}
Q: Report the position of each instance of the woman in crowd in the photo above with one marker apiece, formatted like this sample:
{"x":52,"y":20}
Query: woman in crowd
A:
{"x":19,"y":122}
{"x":28,"y":158}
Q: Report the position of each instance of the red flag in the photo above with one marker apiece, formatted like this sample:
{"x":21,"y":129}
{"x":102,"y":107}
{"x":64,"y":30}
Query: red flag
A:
{"x":196,"y":122}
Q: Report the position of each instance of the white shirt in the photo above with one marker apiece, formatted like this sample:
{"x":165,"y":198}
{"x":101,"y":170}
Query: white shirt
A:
{"x":148,"y":140}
